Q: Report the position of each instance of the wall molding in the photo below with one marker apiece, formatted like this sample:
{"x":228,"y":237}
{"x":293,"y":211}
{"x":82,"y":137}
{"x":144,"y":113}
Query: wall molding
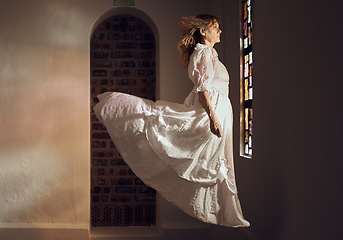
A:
{"x":43,"y":231}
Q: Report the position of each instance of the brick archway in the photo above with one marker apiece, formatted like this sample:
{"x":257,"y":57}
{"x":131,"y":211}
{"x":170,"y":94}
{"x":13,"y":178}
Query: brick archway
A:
{"x":122,"y":59}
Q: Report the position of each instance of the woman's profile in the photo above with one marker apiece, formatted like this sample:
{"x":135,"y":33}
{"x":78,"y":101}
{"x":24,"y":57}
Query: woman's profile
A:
{"x":184,"y":151}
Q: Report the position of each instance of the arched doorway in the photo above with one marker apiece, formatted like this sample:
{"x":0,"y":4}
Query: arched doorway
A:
{"x":123,"y":59}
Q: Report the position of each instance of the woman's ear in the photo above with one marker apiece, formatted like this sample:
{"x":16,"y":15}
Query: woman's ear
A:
{"x":202,"y":32}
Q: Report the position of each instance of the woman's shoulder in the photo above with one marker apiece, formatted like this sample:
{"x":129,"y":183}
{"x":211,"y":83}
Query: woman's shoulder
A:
{"x":202,"y":48}
{"x":201,"y":51}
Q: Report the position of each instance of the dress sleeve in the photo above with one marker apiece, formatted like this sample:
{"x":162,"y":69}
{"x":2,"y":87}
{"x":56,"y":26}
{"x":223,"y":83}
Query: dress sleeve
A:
{"x":201,"y":71}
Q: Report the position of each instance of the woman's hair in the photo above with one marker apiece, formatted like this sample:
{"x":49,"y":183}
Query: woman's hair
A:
{"x":190,"y":34}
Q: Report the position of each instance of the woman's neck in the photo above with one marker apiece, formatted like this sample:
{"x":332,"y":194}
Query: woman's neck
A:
{"x":207,"y":43}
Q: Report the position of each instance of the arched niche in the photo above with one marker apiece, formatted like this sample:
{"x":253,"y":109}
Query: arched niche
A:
{"x":123,"y":58}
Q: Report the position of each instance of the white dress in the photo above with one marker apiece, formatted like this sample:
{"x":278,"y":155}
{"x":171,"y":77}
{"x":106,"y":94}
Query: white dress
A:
{"x":170,"y":147}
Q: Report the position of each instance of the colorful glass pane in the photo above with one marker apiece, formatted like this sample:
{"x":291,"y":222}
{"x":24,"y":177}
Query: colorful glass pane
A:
{"x":246,"y":77}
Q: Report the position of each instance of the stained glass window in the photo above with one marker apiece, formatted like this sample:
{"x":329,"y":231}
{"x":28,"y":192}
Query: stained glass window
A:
{"x":246,"y":84}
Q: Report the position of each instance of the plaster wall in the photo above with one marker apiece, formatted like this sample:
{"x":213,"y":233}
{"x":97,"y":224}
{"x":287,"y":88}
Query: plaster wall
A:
{"x":292,"y":188}
{"x":44,"y":107}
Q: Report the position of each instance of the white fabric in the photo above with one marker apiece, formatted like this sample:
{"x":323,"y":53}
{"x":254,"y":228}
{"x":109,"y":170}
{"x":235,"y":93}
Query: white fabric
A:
{"x":170,"y":147}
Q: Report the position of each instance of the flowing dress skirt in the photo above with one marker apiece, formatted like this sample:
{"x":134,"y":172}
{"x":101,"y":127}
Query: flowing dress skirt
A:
{"x":170,"y":147}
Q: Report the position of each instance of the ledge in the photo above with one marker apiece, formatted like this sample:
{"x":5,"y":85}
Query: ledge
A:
{"x":19,"y":231}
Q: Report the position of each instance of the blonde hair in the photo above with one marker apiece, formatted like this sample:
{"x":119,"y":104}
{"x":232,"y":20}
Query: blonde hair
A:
{"x":190,"y":34}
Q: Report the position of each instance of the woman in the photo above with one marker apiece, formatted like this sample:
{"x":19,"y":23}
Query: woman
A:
{"x":184,"y":151}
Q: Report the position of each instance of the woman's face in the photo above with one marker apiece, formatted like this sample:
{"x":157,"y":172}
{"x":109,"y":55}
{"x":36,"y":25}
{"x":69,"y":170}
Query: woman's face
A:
{"x":212,"y":33}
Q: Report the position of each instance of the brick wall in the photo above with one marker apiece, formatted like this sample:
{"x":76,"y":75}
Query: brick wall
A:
{"x":122,"y":60}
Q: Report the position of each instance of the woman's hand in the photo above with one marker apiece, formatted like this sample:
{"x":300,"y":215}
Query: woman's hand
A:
{"x":215,"y":126}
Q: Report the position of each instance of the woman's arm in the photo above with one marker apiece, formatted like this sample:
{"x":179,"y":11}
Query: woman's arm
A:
{"x":215,"y":125}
